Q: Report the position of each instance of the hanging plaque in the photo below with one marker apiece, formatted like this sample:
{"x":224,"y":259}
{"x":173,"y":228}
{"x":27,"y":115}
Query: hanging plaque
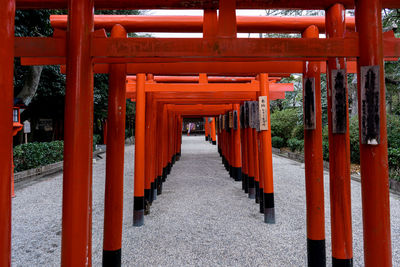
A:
{"x":223,"y":122}
{"x":246,"y":114}
{"x":309,"y":104}
{"x":263,"y":111}
{"x":256,"y":116}
{"x":370,"y":105}
{"x":251,"y":122}
{"x":230,"y":119}
{"x":339,"y":101}
{"x":235,"y":119}
{"x":241,"y":116}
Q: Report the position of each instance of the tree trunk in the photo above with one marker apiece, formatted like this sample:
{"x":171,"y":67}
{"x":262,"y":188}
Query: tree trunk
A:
{"x":31,"y":84}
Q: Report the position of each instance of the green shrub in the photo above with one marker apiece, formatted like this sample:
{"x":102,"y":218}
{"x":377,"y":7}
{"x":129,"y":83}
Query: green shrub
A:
{"x":354,"y":141}
{"x":33,"y":155}
{"x":96,"y":140}
{"x":393,"y":131}
{"x":325,"y":150}
{"x":277,"y":142}
{"x":295,"y":144}
{"x":394,"y":157}
{"x":325,"y":133}
{"x":282,"y":123}
{"x":298,"y":132}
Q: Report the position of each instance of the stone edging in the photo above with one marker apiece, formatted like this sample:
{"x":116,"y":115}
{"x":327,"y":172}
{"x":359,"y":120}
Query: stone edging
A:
{"x":44,"y":170}
{"x":393,"y":185}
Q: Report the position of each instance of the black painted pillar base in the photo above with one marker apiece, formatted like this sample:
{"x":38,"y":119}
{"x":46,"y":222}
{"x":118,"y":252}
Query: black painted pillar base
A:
{"x":159,"y":185}
{"x":269,"y":208}
{"x":178,"y":157}
{"x":262,"y":200}
{"x":164,"y":174}
{"x":154,"y":190}
{"x":237,"y":173}
{"x":316,"y":254}
{"x":169,"y":166}
{"x":206,"y":138}
{"x":246,"y":183}
{"x":257,"y":186}
{"x":138,"y":211}
{"x":112,"y":258}
{"x":147,"y":196}
{"x":230,"y":170}
{"x":252,"y":189}
{"x":214,"y":143}
{"x":342,"y":262}
{"x":173,"y":159}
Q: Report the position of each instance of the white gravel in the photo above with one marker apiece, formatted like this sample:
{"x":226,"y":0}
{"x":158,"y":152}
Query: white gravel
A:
{"x":203,"y":218}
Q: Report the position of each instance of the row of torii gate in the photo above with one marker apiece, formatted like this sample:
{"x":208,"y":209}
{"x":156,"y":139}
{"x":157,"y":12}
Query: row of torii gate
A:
{"x":84,"y":49}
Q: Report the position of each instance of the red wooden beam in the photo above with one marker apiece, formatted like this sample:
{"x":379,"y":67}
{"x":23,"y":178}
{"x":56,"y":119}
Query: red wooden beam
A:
{"x":246,"y":24}
{"x":251,"y":49}
{"x":201,"y":4}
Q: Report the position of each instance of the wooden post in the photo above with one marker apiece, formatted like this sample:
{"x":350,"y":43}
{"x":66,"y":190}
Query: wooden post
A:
{"x":266,"y":151}
{"x":113,"y":203}
{"x":373,"y":136}
{"x":78,"y":137}
{"x":339,"y":145}
{"x":314,"y":170}
{"x":7,"y":14}
{"x":138,"y":207}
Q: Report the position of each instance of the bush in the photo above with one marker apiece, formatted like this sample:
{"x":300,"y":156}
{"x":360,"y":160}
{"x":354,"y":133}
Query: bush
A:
{"x":277,"y":142}
{"x":282,"y":123}
{"x":393,"y":131}
{"x":295,"y":144}
{"x":325,"y":150}
{"x":33,"y":155}
{"x":394,"y":157}
{"x":354,"y":141}
{"x":96,"y":140}
{"x":298,"y":132}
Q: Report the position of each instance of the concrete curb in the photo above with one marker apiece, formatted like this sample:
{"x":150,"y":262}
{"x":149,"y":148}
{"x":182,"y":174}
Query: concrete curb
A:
{"x":394,"y":186}
{"x":43,"y":171}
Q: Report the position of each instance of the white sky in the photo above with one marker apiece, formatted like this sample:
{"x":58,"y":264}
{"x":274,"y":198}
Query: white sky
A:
{"x":169,"y":12}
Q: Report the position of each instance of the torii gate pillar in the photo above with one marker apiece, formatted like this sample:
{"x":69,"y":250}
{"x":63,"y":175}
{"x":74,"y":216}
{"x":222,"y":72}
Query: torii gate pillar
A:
{"x":78,"y":137}
{"x":339,"y":145}
{"x":113,"y":204}
{"x":373,"y":136}
{"x":138,"y":202}
{"x":314,"y":170}
{"x":7,"y":14}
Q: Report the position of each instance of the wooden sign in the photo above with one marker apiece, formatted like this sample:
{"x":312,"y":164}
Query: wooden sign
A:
{"x":220,"y":122}
{"x":256,"y":120}
{"x":223,"y":122}
{"x":262,"y":106}
{"x":251,"y":122}
{"x":309,"y":104}
{"x":246,"y":114}
{"x":230,"y":119}
{"x":339,"y":101}
{"x":370,"y":105}
{"x":241,"y":116}
{"x":235,"y":120}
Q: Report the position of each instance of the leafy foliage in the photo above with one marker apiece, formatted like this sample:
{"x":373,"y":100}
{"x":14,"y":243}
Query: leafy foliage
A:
{"x":277,"y":142}
{"x":295,"y":144}
{"x":32,"y":155}
{"x":282,"y":123}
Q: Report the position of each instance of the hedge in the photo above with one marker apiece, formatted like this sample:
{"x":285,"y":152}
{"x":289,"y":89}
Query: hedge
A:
{"x":277,"y":142}
{"x":295,"y":144}
{"x":33,"y":155}
{"x":283,"y":122}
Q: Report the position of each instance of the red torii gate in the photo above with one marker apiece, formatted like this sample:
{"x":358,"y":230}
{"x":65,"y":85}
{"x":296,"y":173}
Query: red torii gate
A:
{"x":367,"y":47}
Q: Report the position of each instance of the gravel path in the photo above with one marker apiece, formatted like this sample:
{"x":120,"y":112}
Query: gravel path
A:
{"x":202,"y":218}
